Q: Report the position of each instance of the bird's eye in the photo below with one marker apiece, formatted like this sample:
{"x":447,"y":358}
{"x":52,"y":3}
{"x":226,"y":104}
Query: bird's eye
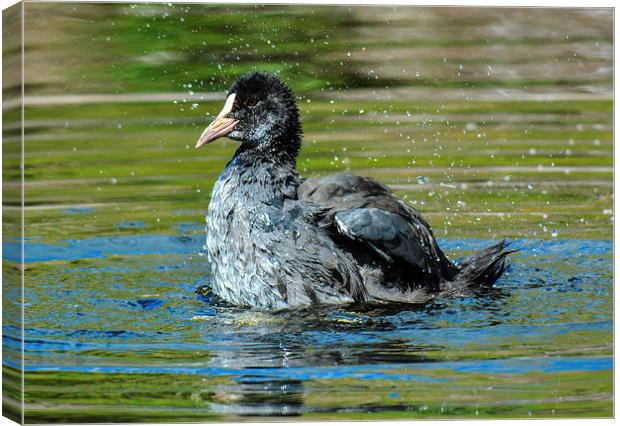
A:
{"x":252,"y":102}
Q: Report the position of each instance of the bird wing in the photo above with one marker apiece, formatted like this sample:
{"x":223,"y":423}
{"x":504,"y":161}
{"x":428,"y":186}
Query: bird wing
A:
{"x":366,"y":211}
{"x":389,"y":234}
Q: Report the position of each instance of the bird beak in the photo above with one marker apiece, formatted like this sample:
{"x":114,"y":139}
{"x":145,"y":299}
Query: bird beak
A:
{"x":221,"y":126}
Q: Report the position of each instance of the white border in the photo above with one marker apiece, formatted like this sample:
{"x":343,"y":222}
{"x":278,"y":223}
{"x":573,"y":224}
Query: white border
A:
{"x":455,"y":3}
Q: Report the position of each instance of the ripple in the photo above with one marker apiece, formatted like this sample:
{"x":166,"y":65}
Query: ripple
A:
{"x":188,"y":244}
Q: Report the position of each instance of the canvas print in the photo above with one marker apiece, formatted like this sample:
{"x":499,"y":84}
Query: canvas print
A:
{"x":237,"y":212}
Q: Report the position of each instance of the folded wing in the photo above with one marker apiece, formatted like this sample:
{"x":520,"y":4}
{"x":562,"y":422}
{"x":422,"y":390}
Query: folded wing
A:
{"x":365,"y":213}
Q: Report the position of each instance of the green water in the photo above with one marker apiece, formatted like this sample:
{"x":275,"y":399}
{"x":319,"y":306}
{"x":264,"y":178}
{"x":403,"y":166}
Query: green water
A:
{"x":494,"y":123}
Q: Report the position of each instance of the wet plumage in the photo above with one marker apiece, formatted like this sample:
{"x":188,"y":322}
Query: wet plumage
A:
{"x":275,"y":240}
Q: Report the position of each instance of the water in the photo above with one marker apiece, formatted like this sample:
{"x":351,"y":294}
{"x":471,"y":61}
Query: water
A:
{"x":124,"y":309}
{"x":500,"y":127}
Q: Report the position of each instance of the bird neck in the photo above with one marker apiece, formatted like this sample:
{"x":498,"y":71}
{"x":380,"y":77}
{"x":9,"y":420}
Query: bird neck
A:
{"x":275,"y":151}
{"x":258,"y":176}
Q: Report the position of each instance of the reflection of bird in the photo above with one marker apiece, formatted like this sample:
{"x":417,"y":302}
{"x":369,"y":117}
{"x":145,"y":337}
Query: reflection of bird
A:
{"x":275,"y":240}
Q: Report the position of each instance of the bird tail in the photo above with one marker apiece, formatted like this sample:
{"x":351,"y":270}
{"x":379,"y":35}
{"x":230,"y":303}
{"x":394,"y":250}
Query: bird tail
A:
{"x":484,"y":267}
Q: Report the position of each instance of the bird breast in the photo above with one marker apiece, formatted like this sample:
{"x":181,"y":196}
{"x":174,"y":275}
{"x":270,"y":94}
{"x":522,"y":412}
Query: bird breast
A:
{"x":243,"y":272}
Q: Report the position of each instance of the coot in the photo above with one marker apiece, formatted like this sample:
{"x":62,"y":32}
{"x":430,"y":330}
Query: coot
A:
{"x":275,"y":240}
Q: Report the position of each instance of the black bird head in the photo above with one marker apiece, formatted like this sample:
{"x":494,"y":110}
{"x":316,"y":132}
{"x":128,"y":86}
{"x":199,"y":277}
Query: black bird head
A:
{"x":260,"y":111}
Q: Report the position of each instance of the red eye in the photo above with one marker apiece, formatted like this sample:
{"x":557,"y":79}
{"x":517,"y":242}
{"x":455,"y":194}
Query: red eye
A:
{"x":252,"y":102}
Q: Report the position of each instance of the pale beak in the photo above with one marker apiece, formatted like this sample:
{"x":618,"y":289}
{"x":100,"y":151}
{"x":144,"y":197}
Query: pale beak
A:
{"x":221,"y":126}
